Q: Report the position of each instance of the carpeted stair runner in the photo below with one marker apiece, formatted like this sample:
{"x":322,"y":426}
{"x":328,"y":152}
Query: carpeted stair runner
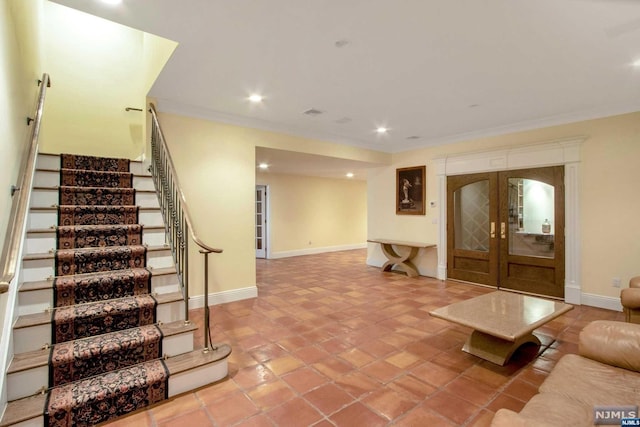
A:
{"x":97,"y":215}
{"x":82,"y":236}
{"x":97,"y":399}
{"x":84,"y":320}
{"x":105,"y":361}
{"x":83,"y":288}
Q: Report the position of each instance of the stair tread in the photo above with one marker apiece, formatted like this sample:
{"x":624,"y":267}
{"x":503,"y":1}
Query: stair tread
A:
{"x":37,"y":358}
{"x":50,"y":255}
{"x":26,"y":408}
{"x":48,"y":284}
{"x":54,"y":228}
{"x":56,"y":188}
{"x":44,"y":318}
{"x":196,"y":358}
{"x":54,"y":208}
{"x":23,"y":409}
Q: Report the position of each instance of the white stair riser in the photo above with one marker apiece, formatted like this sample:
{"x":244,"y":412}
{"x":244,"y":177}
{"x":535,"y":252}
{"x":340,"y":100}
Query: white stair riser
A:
{"x":39,"y":243}
{"x":46,"y":198}
{"x":29,"y":382}
{"x":143,"y":183}
{"x":42,"y":269}
{"x":35,"y":337}
{"x":37,"y":301}
{"x":48,"y":162}
{"x":31,"y":338}
{"x":198,"y":377}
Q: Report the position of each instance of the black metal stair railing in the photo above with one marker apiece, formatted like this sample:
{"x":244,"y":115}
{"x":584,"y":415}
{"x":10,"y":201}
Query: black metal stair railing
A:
{"x":178,"y":224}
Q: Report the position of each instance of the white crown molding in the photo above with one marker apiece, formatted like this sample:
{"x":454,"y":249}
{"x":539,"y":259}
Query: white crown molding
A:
{"x":557,"y":120}
{"x":168,"y":106}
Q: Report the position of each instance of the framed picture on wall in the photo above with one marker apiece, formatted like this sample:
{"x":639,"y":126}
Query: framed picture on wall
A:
{"x":410,"y":190}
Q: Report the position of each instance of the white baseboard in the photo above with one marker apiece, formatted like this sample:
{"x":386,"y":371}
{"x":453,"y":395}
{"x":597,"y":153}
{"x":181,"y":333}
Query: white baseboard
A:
{"x":312,"y":251}
{"x":224,"y":296}
{"x":609,"y":303}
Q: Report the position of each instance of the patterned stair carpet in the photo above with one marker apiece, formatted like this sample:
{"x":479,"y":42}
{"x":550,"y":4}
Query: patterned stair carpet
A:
{"x":105,"y":361}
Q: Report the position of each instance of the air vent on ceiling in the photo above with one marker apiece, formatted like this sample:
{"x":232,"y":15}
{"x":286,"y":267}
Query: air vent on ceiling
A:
{"x":343,"y":120}
{"x":413,"y":137}
{"x":312,"y":112}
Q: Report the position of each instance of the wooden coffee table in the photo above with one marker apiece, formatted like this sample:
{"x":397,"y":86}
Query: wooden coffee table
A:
{"x":502,"y":322}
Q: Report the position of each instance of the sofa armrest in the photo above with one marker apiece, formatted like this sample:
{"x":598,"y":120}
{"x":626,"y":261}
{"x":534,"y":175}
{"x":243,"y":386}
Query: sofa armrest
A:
{"x":630,"y":298}
{"x":613,"y":343}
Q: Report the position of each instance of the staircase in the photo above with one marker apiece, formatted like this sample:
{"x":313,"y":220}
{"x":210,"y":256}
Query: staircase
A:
{"x":101,"y":330}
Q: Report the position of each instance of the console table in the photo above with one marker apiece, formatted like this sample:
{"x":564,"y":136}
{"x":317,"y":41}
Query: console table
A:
{"x":401,"y":260}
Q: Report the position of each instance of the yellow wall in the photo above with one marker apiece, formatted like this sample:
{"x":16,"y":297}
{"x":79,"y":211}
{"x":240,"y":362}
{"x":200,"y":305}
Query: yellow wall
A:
{"x":98,"y":68}
{"x":310,"y":212}
{"x":20,"y":68}
{"x":215,"y":165}
{"x":216,"y":168}
{"x":609,"y":207}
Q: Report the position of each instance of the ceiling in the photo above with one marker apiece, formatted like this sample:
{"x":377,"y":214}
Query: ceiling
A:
{"x":432,"y":71}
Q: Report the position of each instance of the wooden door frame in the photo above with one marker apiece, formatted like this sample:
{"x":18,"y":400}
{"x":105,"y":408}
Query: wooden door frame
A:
{"x":555,"y":153}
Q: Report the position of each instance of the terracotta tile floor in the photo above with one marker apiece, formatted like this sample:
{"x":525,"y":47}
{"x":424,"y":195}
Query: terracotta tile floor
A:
{"x":331,"y":341}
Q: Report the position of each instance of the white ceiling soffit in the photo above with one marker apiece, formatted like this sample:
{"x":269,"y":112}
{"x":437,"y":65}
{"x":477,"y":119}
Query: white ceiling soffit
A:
{"x":294,"y":163}
{"x":431,"y":71}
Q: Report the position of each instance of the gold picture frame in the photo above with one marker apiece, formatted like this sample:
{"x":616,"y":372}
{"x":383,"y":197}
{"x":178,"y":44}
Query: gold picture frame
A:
{"x":411,"y":190}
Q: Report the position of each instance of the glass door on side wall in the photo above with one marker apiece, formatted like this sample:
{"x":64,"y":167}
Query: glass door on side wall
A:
{"x":261,"y":221}
{"x":506,"y":229}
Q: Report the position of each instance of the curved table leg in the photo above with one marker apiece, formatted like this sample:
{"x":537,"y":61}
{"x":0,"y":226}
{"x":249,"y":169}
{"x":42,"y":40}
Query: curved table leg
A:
{"x":494,"y":349}
{"x":402,"y":261}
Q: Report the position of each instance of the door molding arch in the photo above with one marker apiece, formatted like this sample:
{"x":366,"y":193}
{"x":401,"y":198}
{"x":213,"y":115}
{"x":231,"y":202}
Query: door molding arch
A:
{"x":562,"y":152}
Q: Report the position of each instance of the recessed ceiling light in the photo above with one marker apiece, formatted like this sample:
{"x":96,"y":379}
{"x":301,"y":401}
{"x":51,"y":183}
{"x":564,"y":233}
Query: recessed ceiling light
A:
{"x":382,"y":130}
{"x":263,"y":166}
{"x":349,"y":174}
{"x":255,"y":98}
{"x":636,"y":63}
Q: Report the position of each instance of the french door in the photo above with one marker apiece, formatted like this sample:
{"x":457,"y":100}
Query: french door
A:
{"x":506,"y":229}
{"x":261,"y":221}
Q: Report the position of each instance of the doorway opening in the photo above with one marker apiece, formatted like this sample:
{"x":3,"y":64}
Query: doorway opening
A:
{"x":261,"y":221}
{"x":506,"y":229}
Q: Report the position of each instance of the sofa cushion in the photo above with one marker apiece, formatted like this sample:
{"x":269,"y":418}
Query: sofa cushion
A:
{"x":591,"y":382}
{"x":613,"y":343}
{"x":557,"y":410}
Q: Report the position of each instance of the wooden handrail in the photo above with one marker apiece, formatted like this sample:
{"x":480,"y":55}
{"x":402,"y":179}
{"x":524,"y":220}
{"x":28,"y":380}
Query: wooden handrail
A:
{"x":183,"y":200}
{"x":18,"y":217}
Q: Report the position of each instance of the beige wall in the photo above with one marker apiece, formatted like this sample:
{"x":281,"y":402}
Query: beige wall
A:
{"x":20,"y":68}
{"x":98,"y":68}
{"x":610,"y":245}
{"x":216,"y":168}
{"x":308,"y":213}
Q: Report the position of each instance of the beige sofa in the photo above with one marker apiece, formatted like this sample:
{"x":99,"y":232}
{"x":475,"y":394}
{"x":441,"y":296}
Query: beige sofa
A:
{"x":605,"y":372}
{"x":630,"y":299}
